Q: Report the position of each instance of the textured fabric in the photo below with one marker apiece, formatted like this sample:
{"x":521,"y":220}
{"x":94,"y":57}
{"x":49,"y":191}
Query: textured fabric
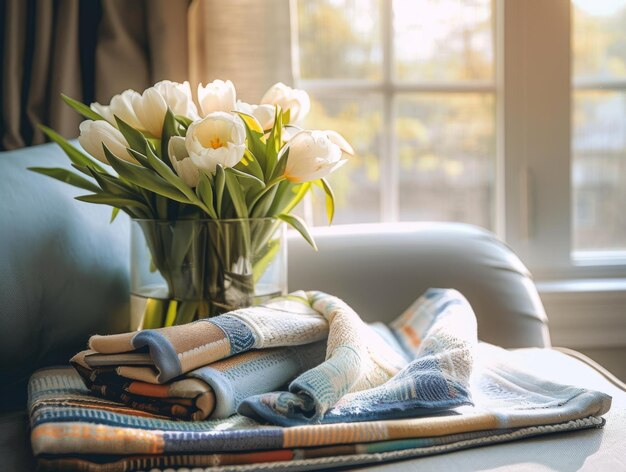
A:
{"x":70,"y":424}
{"x":213,"y":391}
{"x":253,"y":61}
{"x":316,"y":457}
{"x":63,"y":270}
{"x":176,"y":350}
{"x":67,"y":419}
{"x":365,"y":379}
{"x":87,"y":50}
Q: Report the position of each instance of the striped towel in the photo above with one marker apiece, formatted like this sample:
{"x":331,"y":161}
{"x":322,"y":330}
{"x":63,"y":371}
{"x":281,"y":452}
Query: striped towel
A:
{"x":159,"y":355}
{"x":214,"y":391}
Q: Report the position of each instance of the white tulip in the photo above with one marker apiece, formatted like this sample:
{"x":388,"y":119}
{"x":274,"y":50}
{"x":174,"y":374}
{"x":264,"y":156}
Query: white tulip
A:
{"x":314,"y":154}
{"x":121,"y":106}
{"x":296,"y":101}
{"x":150,"y":108}
{"x":264,"y":114}
{"x":93,"y":134}
{"x":182,"y":163}
{"x":217,"y":96}
{"x":178,"y":98}
{"x":219,"y":138}
{"x":146,"y":111}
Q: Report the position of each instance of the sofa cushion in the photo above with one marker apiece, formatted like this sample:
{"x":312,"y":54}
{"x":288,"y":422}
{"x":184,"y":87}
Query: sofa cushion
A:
{"x":15,"y":449}
{"x":63,"y":270}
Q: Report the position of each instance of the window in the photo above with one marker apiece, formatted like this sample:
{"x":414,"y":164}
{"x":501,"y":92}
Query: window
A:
{"x":599,"y":126}
{"x":509,"y":115}
{"x":422,"y":119}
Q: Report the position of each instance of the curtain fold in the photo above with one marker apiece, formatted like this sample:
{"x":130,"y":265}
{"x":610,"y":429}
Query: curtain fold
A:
{"x":246,"y":41}
{"x":92,"y":50}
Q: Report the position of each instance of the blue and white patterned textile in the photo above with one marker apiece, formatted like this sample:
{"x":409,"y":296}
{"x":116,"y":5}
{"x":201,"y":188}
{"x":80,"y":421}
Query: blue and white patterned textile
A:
{"x":365,"y":378}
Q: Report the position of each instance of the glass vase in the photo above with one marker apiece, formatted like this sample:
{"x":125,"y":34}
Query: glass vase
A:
{"x":185,"y":270}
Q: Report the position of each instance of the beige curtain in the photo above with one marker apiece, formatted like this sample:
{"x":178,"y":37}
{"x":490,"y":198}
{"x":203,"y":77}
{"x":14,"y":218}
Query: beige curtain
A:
{"x":88,"y":50}
{"x":246,"y":41}
{"x":93,"y":50}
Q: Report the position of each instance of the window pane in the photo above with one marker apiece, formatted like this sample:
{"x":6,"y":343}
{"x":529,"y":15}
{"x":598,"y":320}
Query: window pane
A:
{"x":356,"y":184}
{"x":599,"y":170}
{"x":446,"y":157}
{"x":448,"y":40}
{"x":339,"y":39}
{"x":599,"y":38}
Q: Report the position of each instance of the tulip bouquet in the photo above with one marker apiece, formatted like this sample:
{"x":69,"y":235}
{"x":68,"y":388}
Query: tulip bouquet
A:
{"x":194,"y":165}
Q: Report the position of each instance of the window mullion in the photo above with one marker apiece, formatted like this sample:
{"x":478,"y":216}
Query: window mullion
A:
{"x":536,"y":136}
{"x":388,"y":166}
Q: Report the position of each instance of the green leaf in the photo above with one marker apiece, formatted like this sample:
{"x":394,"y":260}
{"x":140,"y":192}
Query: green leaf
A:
{"x":81,"y":108}
{"x":111,"y":184}
{"x":76,"y":156}
{"x":250,"y":122}
{"x":256,"y":143}
{"x":141,"y":158}
{"x":186,"y":312}
{"x":279,"y":170}
{"x":172,"y":178}
{"x":107,"y":199}
{"x":145,"y":178}
{"x":204,"y":190}
{"x":135,"y":138}
{"x":248,"y":177}
{"x":262,"y":205}
{"x":300,"y":226}
{"x":270,"y":252}
{"x":183,"y":120}
{"x":114,"y":214}
{"x":170,"y":128}
{"x":300,"y":193}
{"x":67,"y":176}
{"x":330,"y":200}
{"x":236,"y":193}
{"x":220,"y":181}
{"x":250,"y":165}
{"x":273,"y":144}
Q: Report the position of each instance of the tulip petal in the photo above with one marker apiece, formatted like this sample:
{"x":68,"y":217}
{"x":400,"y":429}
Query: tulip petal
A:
{"x":340,"y":141}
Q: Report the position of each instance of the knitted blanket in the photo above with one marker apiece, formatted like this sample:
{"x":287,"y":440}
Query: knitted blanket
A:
{"x":75,"y":430}
{"x":359,"y":381}
{"x":422,"y":385}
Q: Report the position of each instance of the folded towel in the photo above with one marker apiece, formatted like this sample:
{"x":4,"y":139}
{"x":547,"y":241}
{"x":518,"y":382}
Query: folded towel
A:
{"x":159,"y":355}
{"x":213,"y":391}
{"x":361,"y":381}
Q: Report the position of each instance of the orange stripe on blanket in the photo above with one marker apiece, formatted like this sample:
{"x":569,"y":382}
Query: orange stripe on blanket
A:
{"x":71,"y":438}
{"x":148,"y":389}
{"x":412,"y":335}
